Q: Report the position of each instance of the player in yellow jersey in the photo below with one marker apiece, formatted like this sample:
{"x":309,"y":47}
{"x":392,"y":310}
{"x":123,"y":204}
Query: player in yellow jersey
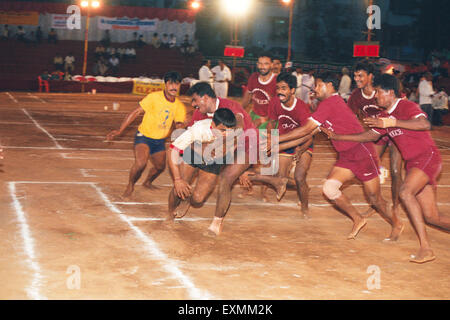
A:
{"x":161,"y":109}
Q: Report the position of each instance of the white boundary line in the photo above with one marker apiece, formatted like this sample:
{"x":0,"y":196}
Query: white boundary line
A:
{"x":11,"y":97}
{"x":170,"y":265}
{"x":42,"y":129}
{"x":32,"y":290}
{"x":36,"y":97}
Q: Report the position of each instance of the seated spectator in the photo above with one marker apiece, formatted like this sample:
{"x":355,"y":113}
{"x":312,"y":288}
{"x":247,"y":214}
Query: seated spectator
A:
{"x":52,"y":36}
{"x":114,"y":63}
{"x":165,"y":41}
{"x":186,"y":47}
{"x":5,"y":34}
{"x":67,"y":76}
{"x":38,"y":35}
{"x":99,"y":51}
{"x":20,"y":34}
{"x":69,"y":63}
{"x":141,"y":42}
{"x":45,"y":75}
{"x":58,"y":62}
{"x":121,"y":53}
{"x":57,"y":75}
{"x":172,"y":41}
{"x":440,"y":107}
{"x":155,"y":41}
{"x":130,"y":53}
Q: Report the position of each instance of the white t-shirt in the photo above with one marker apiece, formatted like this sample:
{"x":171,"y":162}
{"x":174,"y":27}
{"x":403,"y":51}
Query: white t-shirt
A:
{"x":200,"y":131}
{"x":425,"y":90}
{"x":205,"y":74}
{"x":345,"y":84}
{"x":69,"y":59}
{"x":220,"y":74}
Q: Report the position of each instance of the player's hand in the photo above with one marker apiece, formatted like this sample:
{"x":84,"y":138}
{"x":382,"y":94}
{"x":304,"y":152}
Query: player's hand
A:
{"x":245,"y":181}
{"x":182,"y":188}
{"x":328,"y":132}
{"x":110,"y":136}
{"x":380,"y":122}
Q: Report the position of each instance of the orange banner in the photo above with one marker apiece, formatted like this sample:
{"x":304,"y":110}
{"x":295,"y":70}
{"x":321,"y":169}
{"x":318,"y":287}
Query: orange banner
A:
{"x":19,"y":18}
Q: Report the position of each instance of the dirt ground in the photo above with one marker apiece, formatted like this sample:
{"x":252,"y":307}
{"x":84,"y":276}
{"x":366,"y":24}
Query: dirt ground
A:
{"x":66,"y":233}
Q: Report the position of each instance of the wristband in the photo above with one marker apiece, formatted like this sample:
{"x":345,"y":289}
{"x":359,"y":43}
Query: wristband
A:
{"x":389,"y":122}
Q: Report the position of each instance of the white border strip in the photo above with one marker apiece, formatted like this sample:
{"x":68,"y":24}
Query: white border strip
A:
{"x":43,"y":130}
{"x":11,"y":97}
{"x":33,"y":289}
{"x":169,"y":264}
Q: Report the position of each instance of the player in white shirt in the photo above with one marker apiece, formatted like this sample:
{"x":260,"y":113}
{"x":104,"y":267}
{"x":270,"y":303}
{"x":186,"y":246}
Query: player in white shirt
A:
{"x":205,"y":74}
{"x":187,"y":156}
{"x":222,"y":75}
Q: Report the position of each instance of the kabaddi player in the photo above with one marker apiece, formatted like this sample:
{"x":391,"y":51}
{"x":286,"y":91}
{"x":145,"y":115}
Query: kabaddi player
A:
{"x":355,"y":160}
{"x":277,"y":66}
{"x":206,"y":103}
{"x":408,"y":126}
{"x":290,"y":113}
{"x":363,"y":103}
{"x":161,"y":109}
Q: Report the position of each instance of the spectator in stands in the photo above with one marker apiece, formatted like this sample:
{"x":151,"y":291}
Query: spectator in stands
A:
{"x":38,"y":35}
{"x":69,"y":63}
{"x":121,"y":53}
{"x":99,"y":51}
{"x":345,"y":84}
{"x":114,"y":63}
{"x":440,"y":106}
{"x":172,"y":41}
{"x":45,"y":75}
{"x":58,"y":62}
{"x":100,"y":67}
{"x":141,"y":42}
{"x":413,"y":96}
{"x":5,"y":34}
{"x":165,"y":41}
{"x":20,"y":34}
{"x":155,"y":41}
{"x":106,"y":40}
{"x":426,"y":94}
{"x":52,"y":36}
{"x":57,"y":75}
{"x":67,"y":76}
{"x":130,"y":53}
{"x":205,"y":74}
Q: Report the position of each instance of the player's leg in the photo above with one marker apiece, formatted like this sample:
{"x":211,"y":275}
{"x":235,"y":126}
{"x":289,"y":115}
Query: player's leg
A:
{"x":158,"y":160}
{"x":373,"y":193}
{"x":414,"y":182}
{"x":187,"y":173}
{"x":427,"y":200}
{"x":227,"y":177}
{"x":331,"y":188}
{"x":141,"y":154}
{"x":301,"y":169}
{"x":206,"y":183}
{"x":396,"y":176}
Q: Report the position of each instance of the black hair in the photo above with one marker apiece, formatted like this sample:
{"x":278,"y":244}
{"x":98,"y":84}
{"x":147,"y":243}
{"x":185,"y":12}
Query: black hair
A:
{"x":327,"y":77}
{"x":387,"y":82}
{"x":288,"y":78}
{"x":172,"y":76}
{"x":224,"y":116}
{"x":202,"y":88}
{"x":265,"y":54}
{"x":364,"y":65}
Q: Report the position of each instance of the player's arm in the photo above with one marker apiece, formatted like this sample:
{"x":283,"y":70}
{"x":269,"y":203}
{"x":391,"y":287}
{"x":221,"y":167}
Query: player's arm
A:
{"x":182,"y":188}
{"x":126,"y":122}
{"x":246,"y":99}
{"x":299,"y":132}
{"x":366,"y":136}
{"x":306,"y":140}
{"x":419,"y":123}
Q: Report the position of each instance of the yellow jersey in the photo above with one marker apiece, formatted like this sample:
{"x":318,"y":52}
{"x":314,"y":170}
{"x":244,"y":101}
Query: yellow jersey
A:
{"x":160,"y":114}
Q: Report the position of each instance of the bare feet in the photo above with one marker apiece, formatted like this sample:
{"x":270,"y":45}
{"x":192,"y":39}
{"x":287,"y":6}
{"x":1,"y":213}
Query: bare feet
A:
{"x":216,"y":227}
{"x":357,"y":226}
{"x":422,"y":256}
{"x":127,"y":193}
{"x":182,"y":209}
{"x":150,"y":186}
{"x":395,"y":233}
{"x":281,"y":188}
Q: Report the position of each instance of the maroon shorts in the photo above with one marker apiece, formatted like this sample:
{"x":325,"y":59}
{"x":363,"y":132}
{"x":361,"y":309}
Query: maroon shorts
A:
{"x":362,"y":160}
{"x":384,"y":140}
{"x":429,"y":162}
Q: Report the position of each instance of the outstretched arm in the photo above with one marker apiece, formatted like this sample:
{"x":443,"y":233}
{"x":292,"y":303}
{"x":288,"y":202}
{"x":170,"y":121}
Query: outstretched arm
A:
{"x":126,"y":122}
{"x":418,"y":124}
{"x":365,"y":136}
{"x":300,"y":132}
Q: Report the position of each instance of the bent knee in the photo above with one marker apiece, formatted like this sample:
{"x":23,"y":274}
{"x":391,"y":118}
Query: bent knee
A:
{"x":331,"y":189}
{"x":197,"y":200}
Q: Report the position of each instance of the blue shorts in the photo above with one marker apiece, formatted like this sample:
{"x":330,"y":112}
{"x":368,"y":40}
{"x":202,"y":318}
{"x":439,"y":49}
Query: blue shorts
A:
{"x":291,"y":151}
{"x":155,"y":145}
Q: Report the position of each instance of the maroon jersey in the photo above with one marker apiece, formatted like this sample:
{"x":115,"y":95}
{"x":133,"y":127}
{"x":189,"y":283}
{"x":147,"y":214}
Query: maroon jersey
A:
{"x":411,"y":143}
{"x":261,"y":92}
{"x":288,"y":118}
{"x":334,"y":114}
{"x":359,"y":101}
{"x":229,"y":104}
